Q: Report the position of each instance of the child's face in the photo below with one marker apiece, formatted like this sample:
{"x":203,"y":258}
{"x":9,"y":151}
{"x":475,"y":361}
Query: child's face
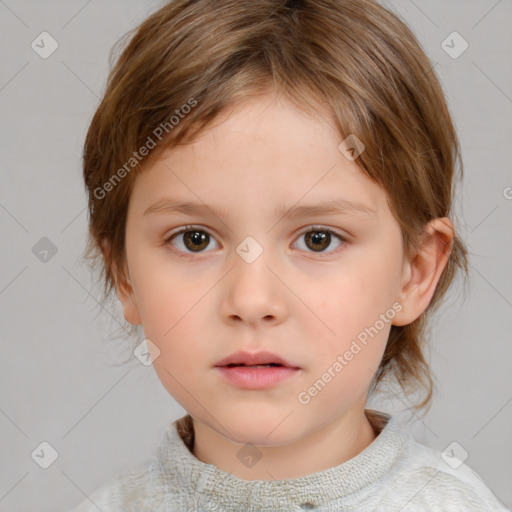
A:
{"x":307,"y":306}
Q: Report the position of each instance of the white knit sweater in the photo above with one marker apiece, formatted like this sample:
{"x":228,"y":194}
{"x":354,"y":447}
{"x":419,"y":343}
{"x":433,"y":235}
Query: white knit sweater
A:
{"x":393,"y":474}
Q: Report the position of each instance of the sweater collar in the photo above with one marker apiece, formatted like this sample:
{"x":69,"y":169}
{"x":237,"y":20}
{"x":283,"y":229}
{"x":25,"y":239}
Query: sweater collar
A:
{"x":212,"y":485}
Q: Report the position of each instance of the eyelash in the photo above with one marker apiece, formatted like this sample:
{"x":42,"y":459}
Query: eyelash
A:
{"x":310,"y":229}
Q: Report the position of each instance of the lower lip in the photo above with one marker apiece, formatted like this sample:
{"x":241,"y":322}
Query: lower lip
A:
{"x":256,"y":378}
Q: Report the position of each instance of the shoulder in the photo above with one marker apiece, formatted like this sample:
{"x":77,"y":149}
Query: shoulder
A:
{"x":140,"y":488}
{"x":426,"y":481}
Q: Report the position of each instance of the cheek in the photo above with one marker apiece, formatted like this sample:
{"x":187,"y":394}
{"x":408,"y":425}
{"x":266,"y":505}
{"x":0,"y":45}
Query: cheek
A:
{"x":183,"y":350}
{"x":367,"y":288}
{"x":358,"y":310}
{"x":170,"y":320}
{"x":352,"y":303}
{"x":163,"y":295}
{"x":170,"y":307}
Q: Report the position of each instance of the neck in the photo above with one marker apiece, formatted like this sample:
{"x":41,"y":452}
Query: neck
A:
{"x":349,"y":434}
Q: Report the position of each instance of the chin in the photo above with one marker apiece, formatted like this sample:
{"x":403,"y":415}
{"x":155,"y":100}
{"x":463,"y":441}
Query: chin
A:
{"x":263,"y":431}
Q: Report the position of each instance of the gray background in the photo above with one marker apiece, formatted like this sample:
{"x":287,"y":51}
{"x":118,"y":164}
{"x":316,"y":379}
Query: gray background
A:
{"x":58,"y":376}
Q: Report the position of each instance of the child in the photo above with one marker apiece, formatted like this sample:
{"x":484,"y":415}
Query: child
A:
{"x":270,"y":189}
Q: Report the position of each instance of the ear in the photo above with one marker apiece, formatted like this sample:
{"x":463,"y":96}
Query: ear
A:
{"x":422,"y":273}
{"x":124,"y":289}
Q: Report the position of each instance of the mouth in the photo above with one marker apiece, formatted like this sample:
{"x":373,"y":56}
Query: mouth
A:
{"x":269,"y":365}
{"x":262,"y":359}
{"x":255,"y":371}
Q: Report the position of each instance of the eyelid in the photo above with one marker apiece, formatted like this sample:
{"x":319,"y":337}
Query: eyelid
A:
{"x":309,"y":227}
{"x":188,"y":227}
{"x":317,"y":227}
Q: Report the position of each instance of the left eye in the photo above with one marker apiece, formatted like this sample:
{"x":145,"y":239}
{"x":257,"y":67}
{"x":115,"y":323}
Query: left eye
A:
{"x":320,"y":238}
{"x":196,"y":239}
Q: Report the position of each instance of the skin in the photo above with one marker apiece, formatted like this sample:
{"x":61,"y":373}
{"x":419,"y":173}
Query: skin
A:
{"x":302,"y":304}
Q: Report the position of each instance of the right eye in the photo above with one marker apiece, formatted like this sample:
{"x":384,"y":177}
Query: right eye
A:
{"x":195,"y":239}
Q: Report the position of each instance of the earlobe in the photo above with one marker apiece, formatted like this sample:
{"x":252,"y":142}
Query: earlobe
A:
{"x":423,"y":271}
{"x":125,"y":295}
{"x":124,"y":289}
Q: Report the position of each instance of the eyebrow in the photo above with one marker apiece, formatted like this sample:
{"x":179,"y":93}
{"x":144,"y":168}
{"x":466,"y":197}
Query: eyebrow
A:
{"x":338,"y":206}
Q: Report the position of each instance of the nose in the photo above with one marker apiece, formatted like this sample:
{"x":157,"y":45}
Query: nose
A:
{"x":254,"y":293}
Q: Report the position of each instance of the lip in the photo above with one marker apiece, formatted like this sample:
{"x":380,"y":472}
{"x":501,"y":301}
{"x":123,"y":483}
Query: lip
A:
{"x":253,"y":358}
{"x":256,"y":378}
{"x":247,"y":377}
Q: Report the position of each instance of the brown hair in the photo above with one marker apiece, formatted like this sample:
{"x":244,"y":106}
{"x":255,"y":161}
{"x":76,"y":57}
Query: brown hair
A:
{"x":353,"y":59}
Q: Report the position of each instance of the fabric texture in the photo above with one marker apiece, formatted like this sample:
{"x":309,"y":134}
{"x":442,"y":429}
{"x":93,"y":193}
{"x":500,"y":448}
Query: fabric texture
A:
{"x":393,"y":474}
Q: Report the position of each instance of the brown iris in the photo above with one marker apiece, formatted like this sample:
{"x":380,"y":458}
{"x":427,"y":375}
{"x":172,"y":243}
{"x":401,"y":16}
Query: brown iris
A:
{"x":196,"y":240}
{"x":320,"y":240}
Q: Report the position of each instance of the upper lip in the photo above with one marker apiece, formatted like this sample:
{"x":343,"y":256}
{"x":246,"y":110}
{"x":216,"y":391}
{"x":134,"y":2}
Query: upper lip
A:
{"x":252,"y":358}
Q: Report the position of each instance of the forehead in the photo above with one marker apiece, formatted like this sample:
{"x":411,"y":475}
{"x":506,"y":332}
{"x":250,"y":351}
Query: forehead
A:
{"x":263,"y":150}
